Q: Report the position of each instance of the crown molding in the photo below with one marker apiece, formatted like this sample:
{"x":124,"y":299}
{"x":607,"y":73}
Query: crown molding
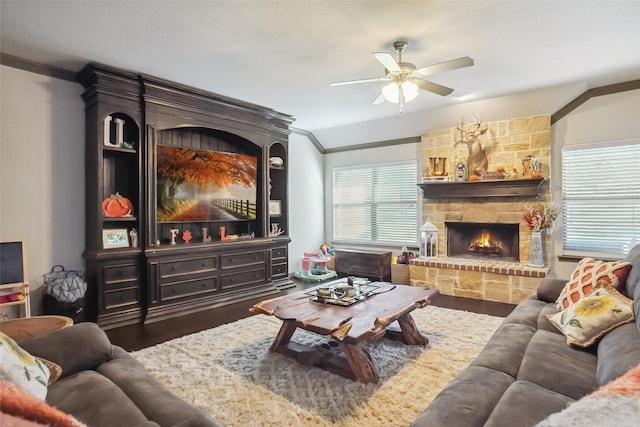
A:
{"x":591,"y":93}
{"x":35,"y":67}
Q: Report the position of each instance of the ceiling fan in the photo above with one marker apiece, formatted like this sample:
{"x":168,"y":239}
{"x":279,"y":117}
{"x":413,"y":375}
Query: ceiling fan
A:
{"x":404,"y":79}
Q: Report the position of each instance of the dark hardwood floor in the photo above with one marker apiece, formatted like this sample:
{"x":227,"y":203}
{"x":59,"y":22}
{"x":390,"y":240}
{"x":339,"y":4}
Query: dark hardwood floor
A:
{"x":136,"y":337}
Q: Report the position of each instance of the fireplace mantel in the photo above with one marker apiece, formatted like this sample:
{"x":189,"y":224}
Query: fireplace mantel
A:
{"x":497,"y":188}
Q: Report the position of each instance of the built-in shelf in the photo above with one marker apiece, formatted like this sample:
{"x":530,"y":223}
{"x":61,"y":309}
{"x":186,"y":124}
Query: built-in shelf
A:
{"x":497,"y":188}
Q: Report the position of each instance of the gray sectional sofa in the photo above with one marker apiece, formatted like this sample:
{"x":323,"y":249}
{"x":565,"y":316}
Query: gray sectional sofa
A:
{"x":527,"y":371}
{"x":102,"y":385}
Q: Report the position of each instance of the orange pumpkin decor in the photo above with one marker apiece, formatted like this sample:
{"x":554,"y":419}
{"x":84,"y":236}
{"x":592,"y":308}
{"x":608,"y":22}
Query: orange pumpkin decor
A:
{"x":474,"y":178}
{"x":117,"y":206}
{"x":536,"y":175}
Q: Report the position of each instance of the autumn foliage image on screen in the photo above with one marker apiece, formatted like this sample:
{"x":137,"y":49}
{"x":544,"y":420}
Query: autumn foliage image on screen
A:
{"x":202,"y":185}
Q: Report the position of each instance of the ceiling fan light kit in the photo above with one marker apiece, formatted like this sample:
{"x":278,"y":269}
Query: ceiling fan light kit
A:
{"x":392,"y":91}
{"x":403,"y":80}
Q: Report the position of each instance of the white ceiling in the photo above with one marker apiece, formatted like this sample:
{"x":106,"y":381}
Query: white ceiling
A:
{"x":283,"y":54}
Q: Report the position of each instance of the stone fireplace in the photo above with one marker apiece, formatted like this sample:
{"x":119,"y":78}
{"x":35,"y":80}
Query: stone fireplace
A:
{"x":485,"y":216}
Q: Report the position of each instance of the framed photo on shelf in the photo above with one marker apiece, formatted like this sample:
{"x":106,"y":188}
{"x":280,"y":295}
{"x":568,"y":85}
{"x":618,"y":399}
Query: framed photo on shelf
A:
{"x":275,"y":208}
{"x":116,"y":238}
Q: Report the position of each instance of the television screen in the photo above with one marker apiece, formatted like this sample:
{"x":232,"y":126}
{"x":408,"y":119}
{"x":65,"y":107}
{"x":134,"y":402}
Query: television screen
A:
{"x":203,"y":185}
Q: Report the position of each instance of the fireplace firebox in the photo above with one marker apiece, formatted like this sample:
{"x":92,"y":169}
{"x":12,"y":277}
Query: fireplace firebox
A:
{"x":483,"y":240}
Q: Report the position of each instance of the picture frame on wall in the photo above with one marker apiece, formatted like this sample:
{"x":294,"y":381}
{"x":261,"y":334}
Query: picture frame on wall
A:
{"x":115,"y":238}
{"x":275,"y":208}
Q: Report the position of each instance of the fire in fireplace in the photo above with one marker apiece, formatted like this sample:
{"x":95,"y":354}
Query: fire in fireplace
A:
{"x":483,"y":240}
{"x":486,"y":245}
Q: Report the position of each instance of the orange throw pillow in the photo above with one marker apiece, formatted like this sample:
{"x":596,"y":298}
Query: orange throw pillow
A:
{"x":19,"y":403}
{"x":589,"y":272}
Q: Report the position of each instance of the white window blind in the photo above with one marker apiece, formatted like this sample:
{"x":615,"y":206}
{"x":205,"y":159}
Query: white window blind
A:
{"x":376,"y":204}
{"x":601,"y":198}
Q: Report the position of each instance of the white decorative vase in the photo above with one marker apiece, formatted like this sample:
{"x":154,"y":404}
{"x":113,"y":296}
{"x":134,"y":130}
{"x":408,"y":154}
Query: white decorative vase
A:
{"x":536,"y":253}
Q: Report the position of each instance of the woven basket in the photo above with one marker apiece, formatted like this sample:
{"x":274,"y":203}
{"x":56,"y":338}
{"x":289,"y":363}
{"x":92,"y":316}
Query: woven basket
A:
{"x":400,"y":274}
{"x":331,"y":264}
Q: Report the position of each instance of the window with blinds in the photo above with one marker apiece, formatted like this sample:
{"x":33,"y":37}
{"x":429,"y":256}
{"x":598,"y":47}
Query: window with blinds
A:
{"x":376,"y":204}
{"x":601,"y":198}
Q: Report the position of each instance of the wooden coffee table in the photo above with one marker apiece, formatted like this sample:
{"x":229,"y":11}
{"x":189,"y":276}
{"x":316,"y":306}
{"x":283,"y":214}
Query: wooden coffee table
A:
{"x":351,"y":326}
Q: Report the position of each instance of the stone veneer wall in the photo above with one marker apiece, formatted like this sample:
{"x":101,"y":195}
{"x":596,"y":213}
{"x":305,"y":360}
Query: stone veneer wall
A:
{"x":506,"y":143}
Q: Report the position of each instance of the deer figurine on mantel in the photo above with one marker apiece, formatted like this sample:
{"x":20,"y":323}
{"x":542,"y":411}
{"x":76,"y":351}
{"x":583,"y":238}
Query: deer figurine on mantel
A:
{"x":477,"y":162}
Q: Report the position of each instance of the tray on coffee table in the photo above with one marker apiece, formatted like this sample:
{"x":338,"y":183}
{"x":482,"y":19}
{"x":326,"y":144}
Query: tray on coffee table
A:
{"x":337,"y":293}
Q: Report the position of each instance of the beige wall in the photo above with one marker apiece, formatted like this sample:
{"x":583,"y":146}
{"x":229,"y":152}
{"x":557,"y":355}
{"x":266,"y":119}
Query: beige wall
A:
{"x":42,"y":171}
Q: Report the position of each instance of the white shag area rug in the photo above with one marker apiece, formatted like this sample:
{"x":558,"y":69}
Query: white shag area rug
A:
{"x":230,"y":373}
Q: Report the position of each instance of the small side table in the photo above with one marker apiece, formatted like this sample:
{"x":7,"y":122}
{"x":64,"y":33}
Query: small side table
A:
{"x":27,"y":327}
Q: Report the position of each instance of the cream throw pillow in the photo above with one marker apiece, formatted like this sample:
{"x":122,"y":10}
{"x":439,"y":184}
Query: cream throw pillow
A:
{"x":584,"y":322}
{"x":22,"y":369}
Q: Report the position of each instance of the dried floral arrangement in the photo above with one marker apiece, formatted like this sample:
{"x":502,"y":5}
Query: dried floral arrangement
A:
{"x":541,"y":219}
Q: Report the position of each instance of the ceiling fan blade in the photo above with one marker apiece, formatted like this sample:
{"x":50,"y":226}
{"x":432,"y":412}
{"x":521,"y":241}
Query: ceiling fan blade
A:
{"x":433,"y":87}
{"x":465,"y":61}
{"x":379,"y":99}
{"x":351,"y":82}
{"x":387,"y":61}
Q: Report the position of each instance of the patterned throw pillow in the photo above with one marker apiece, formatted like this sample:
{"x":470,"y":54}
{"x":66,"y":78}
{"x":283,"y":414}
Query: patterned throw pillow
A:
{"x":22,"y":369}
{"x":584,"y":322}
{"x":588,"y":272}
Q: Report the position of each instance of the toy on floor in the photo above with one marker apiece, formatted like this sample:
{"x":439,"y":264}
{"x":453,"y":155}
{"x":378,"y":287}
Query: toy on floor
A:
{"x":314,"y":267}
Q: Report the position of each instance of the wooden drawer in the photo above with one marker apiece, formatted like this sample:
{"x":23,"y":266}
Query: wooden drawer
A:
{"x":120,"y":297}
{"x":120,"y":273}
{"x":278,"y":253}
{"x":279,"y":270}
{"x":187,"y":266}
{"x":186,"y":288}
{"x":240,"y":259}
{"x":231,"y":280}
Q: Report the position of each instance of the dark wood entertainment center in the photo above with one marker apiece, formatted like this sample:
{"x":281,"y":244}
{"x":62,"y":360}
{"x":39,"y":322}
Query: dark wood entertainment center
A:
{"x":154,"y":271}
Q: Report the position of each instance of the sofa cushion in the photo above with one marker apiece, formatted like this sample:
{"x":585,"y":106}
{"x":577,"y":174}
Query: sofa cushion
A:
{"x":587,"y":274}
{"x":618,"y":351}
{"x":549,"y":289}
{"x":505,"y":349}
{"x":552,"y":364}
{"x":76,"y":348}
{"x":539,"y":402}
{"x":95,"y":400}
{"x":22,"y":369}
{"x":468,"y":400}
{"x":584,"y":322}
{"x":534,"y":313}
{"x":155,"y":401}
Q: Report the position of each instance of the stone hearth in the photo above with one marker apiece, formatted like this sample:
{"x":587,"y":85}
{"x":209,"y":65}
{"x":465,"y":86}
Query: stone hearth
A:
{"x":505,"y":143}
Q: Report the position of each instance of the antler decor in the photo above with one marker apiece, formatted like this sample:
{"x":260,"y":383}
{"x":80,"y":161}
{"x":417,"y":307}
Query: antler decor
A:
{"x":477,"y":162}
